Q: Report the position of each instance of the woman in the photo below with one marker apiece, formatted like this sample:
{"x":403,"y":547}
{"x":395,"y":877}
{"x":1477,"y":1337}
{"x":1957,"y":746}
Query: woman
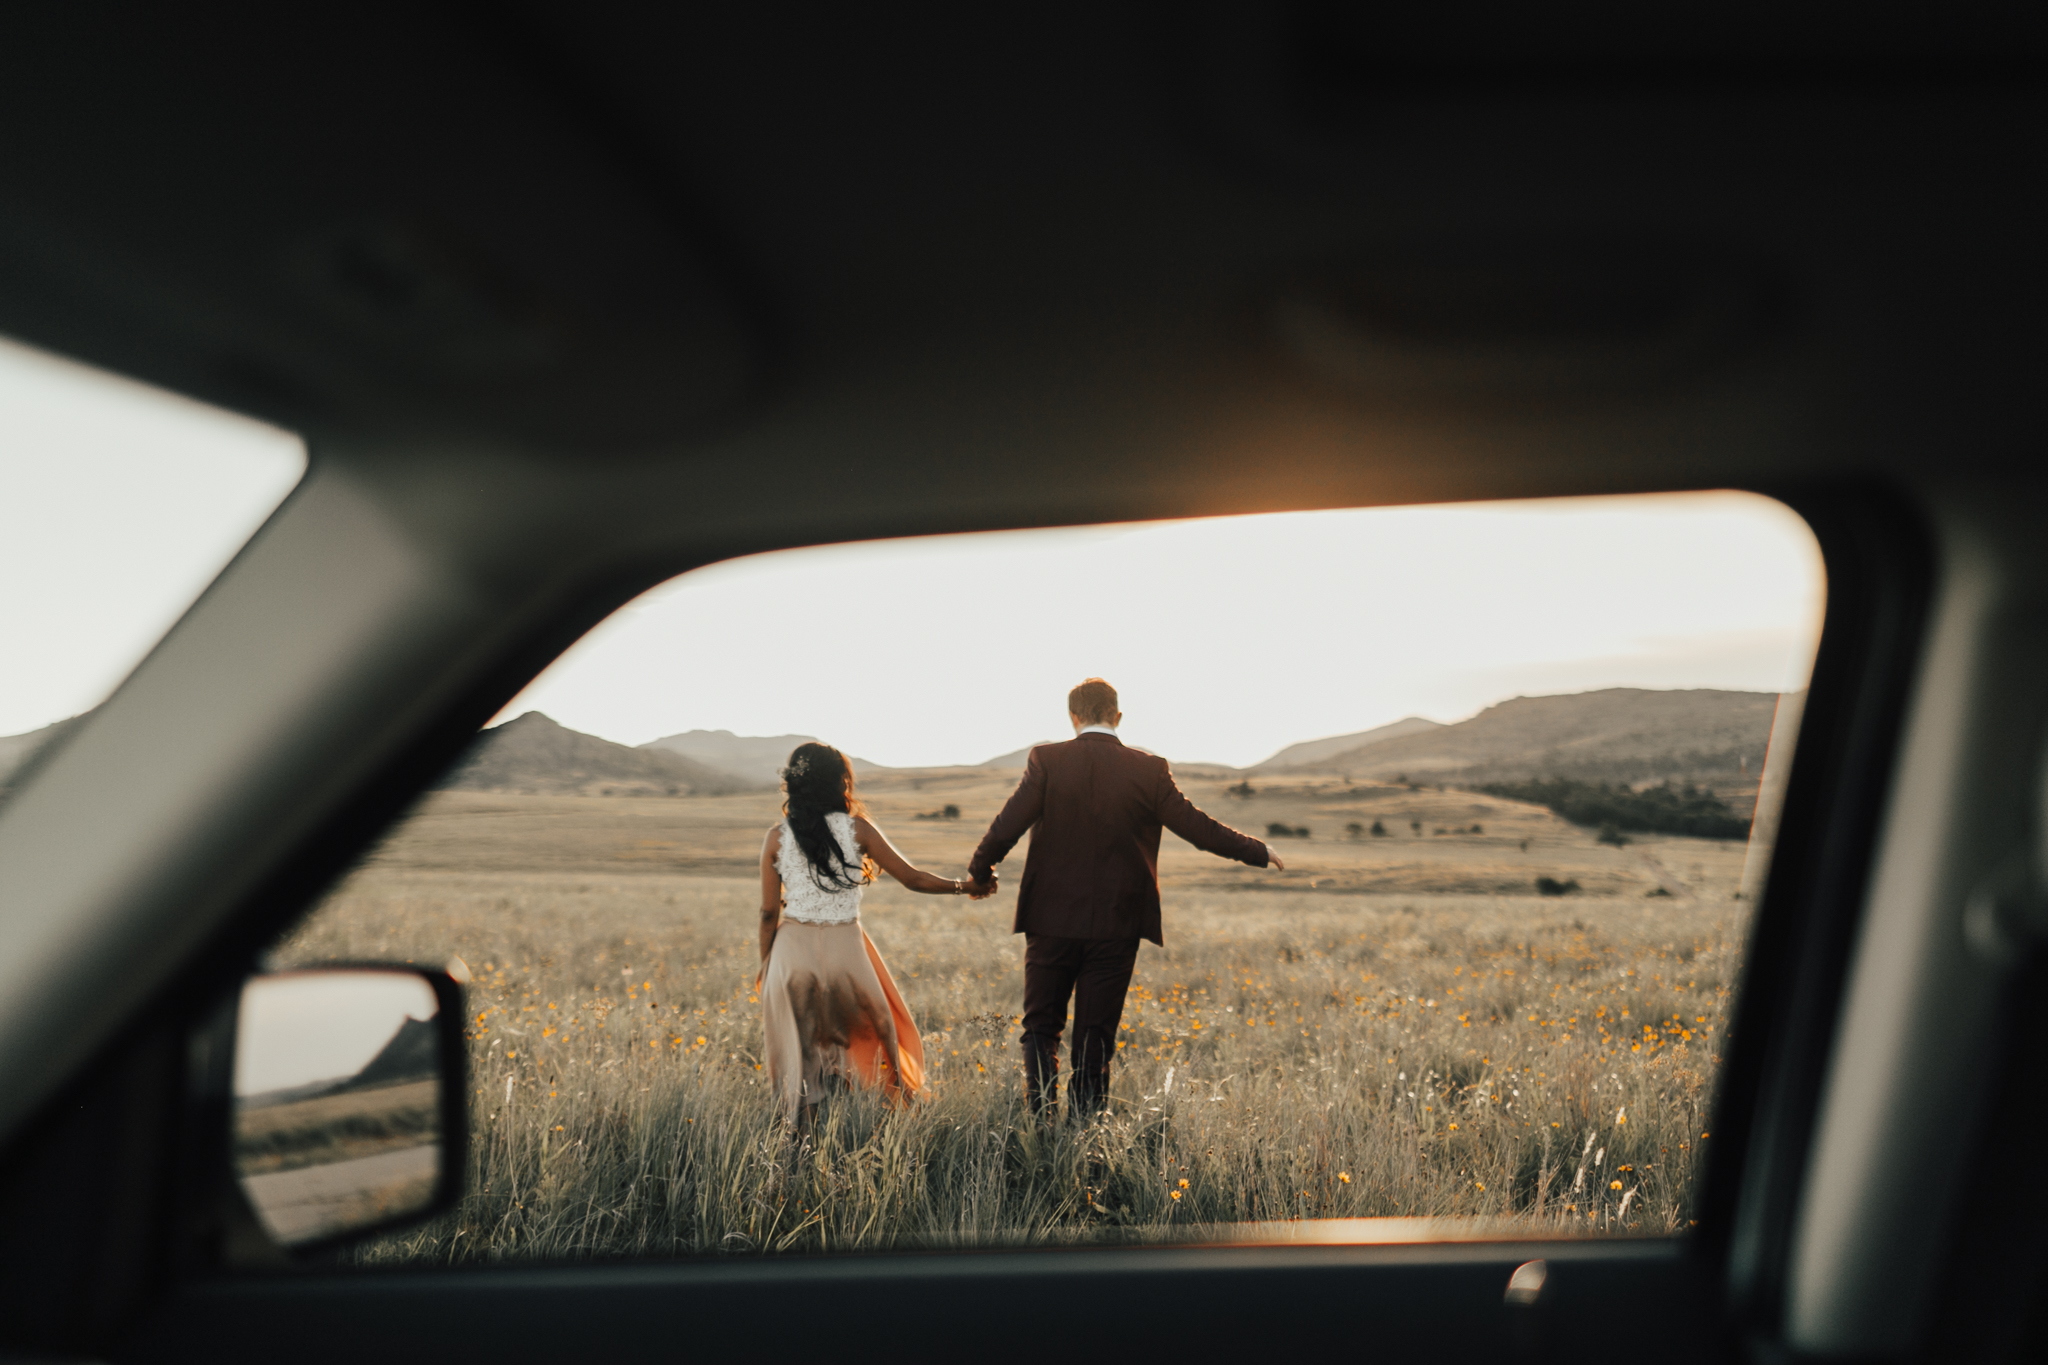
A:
{"x":828,"y":1006}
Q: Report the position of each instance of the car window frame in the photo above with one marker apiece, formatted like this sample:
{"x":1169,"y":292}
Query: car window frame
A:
{"x":1878,"y":562}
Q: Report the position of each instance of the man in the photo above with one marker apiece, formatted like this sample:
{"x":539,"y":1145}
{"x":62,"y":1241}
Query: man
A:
{"x":1091,"y":886}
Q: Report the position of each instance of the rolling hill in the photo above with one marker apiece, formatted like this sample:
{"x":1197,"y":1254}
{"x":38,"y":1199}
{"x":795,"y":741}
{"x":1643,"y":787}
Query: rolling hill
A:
{"x":535,"y":754}
{"x":17,"y":750}
{"x":1014,"y":759}
{"x":1310,"y":751}
{"x":413,"y":1053}
{"x":757,"y":758}
{"x":752,"y":758}
{"x":1621,"y":734}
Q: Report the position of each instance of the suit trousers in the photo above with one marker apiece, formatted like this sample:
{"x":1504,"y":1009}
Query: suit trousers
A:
{"x":1095,"y":972}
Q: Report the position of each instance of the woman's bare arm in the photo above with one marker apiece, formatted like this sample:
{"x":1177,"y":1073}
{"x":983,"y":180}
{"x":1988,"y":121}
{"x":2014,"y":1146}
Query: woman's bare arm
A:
{"x":876,"y":845}
{"x":771,"y":890}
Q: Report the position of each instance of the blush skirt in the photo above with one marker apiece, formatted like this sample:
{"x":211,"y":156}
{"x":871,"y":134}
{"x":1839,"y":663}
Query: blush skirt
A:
{"x":831,"y":1012}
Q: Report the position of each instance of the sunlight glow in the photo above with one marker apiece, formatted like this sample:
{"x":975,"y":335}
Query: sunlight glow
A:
{"x":1228,"y":638}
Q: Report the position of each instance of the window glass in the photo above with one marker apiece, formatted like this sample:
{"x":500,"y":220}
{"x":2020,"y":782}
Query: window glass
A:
{"x":119,"y":503}
{"x":1509,"y":756}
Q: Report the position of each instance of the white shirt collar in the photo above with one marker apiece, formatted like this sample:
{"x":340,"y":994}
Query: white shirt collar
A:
{"x":1095,"y":730}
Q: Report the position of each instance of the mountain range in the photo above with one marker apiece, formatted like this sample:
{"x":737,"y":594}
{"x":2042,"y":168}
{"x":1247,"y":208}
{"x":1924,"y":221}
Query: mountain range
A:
{"x":1014,"y":759}
{"x":1311,"y":751}
{"x":1620,"y":734}
{"x":536,"y":755}
{"x":750,"y":756}
{"x":1617,"y":735}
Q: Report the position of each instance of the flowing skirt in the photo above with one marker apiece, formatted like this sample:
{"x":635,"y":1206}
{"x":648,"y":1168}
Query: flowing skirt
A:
{"x":830,"y":1010}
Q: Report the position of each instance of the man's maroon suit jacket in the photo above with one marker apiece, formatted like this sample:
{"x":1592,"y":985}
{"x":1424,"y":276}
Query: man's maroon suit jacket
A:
{"x":1093,"y":869}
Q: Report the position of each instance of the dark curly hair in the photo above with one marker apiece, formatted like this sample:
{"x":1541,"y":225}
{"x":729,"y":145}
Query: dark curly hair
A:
{"x":818,"y":782}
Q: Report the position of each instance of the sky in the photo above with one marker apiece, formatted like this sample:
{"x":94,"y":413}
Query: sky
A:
{"x":1226,"y":638}
{"x":118,"y":505}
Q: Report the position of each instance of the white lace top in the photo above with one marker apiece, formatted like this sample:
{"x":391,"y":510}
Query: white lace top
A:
{"x":802,"y":898}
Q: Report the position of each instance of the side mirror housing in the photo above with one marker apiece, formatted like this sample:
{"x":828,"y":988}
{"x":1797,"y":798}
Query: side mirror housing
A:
{"x":347,"y":1101}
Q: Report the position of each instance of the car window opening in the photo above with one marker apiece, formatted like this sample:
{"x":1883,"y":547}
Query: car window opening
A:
{"x":1496,"y":788}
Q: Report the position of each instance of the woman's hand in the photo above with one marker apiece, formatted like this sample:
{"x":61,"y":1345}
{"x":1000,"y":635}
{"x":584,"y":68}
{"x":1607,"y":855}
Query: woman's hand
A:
{"x":876,"y":845}
{"x":1273,"y":860}
{"x":982,"y":891}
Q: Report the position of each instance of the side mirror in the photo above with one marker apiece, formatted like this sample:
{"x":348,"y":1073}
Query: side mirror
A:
{"x":349,"y":1101}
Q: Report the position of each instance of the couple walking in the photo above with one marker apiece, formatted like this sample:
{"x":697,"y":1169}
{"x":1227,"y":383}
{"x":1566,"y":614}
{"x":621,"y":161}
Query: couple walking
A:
{"x":1090,"y":892}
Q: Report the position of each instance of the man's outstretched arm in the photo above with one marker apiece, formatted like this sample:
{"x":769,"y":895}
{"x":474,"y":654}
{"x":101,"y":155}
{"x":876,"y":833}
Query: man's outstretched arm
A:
{"x":1019,"y":814}
{"x":1211,"y":835}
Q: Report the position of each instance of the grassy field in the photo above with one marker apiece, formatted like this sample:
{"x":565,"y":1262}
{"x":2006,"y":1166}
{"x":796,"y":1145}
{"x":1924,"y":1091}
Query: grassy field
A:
{"x":1395,"y":1027}
{"x":331,"y":1128}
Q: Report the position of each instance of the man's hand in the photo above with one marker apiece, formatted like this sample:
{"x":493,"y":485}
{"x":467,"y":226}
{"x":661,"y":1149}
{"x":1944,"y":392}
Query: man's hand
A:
{"x":1273,"y":860}
{"x":981,"y":891}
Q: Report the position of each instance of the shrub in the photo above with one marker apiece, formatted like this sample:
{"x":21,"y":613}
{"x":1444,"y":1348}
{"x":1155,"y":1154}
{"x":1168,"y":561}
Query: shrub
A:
{"x":1610,"y":835}
{"x":1551,"y":886}
{"x":1379,"y":830}
{"x":1356,"y":830}
{"x":1415,"y":825}
{"x":1243,"y":791}
{"x":1656,"y":810}
{"x":1277,"y":830}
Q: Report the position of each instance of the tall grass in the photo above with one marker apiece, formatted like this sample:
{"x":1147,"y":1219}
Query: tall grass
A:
{"x":1540,"y":1064}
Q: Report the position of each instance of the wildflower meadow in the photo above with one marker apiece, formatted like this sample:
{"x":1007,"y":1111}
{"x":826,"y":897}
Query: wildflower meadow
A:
{"x":1511,"y":1063}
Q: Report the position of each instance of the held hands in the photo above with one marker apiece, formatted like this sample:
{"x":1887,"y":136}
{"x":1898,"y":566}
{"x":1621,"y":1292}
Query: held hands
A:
{"x":980,"y":891}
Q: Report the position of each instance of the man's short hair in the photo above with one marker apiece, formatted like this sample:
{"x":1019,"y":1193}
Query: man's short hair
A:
{"x":1094,"y":701}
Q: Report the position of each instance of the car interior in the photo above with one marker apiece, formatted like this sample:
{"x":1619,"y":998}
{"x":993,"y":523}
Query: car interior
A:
{"x":562,"y":302}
